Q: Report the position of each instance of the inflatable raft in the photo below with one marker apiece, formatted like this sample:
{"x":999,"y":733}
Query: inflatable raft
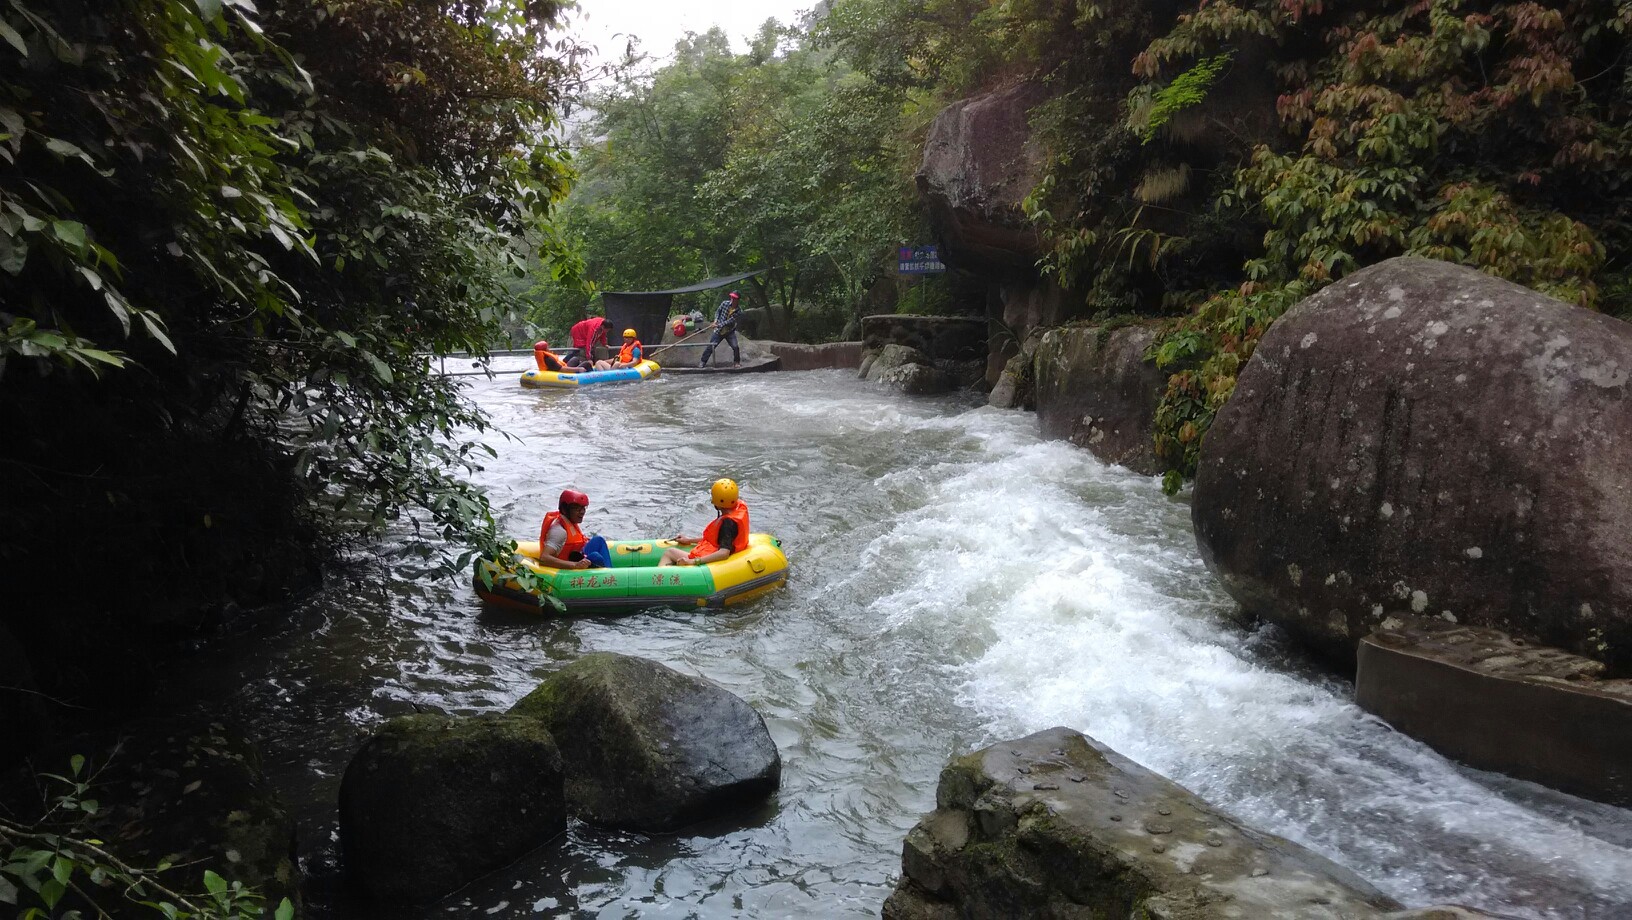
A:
{"x":561,"y":380}
{"x":635,"y":581}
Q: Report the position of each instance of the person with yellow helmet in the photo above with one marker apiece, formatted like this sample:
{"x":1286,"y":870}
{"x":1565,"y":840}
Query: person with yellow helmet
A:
{"x":632,"y":352}
{"x":725,"y":535}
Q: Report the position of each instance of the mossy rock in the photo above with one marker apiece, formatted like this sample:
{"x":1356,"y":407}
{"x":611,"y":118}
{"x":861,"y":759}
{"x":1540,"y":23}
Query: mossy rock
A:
{"x":650,"y":749}
{"x":432,"y":802}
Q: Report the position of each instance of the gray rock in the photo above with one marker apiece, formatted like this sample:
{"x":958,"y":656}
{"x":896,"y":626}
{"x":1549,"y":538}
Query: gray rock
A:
{"x":893,"y":357}
{"x":1014,"y":389}
{"x":1096,"y":389}
{"x":1499,"y":704}
{"x":650,"y":749}
{"x":433,"y":802}
{"x":1423,"y":436}
{"x":917,"y":379}
{"x":1005,"y":844}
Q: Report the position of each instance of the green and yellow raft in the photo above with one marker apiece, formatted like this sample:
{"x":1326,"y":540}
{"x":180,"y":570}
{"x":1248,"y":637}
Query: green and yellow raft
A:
{"x":635,"y":581}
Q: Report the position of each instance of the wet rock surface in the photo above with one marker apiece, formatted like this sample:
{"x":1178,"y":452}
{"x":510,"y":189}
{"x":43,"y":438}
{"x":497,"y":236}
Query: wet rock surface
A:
{"x":1422,"y":436}
{"x":432,"y":802}
{"x":1096,"y":389}
{"x":1055,"y":825}
{"x":1496,"y":703}
{"x":648,"y":748}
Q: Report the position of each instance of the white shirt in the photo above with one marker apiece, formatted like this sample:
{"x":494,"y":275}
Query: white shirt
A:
{"x":555,"y":539}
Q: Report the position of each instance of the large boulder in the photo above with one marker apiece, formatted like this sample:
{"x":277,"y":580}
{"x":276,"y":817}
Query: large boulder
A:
{"x":1055,"y":825}
{"x":1096,"y":389}
{"x":1497,"y":703}
{"x":432,"y":802}
{"x":1423,"y":437}
{"x":980,"y":162}
{"x":650,"y":749}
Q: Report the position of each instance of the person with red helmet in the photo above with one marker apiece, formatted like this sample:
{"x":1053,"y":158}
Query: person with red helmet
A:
{"x":725,"y":329}
{"x":725,"y":535}
{"x":548,"y":360}
{"x":560,"y":542}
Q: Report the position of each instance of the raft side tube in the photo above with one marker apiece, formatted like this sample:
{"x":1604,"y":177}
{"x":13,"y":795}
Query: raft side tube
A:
{"x":635,"y":581}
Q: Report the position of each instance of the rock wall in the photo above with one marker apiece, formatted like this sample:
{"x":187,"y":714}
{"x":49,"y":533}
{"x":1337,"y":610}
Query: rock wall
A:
{"x":1497,"y":703}
{"x":1095,"y":388}
{"x":1423,"y":437}
{"x":1056,"y":826}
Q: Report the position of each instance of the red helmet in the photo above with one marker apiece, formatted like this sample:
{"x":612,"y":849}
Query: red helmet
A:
{"x":573,"y":497}
{"x":733,"y":295}
{"x":541,"y":346}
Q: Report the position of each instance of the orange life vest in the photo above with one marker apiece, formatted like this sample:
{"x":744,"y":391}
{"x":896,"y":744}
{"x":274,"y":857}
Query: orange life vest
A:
{"x":549,"y":361}
{"x":627,"y":355}
{"x":575,"y":537}
{"x":711,"y":535}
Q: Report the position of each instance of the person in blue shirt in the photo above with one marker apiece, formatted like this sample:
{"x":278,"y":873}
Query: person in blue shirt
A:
{"x":725,"y":329}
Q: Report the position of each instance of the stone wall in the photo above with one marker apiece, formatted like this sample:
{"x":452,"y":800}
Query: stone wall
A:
{"x":1497,"y":703}
{"x":799,"y":357}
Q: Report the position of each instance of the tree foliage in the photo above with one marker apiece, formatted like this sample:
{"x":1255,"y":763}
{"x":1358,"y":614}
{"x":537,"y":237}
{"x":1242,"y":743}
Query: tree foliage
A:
{"x":778,"y":157}
{"x":230,"y":235}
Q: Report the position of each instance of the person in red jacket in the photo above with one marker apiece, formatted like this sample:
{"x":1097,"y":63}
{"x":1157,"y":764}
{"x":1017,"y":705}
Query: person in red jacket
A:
{"x":560,"y":542}
{"x":725,"y":535}
{"x":585,"y":334}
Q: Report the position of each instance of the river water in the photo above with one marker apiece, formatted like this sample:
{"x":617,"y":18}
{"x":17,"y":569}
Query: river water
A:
{"x":955,"y":581}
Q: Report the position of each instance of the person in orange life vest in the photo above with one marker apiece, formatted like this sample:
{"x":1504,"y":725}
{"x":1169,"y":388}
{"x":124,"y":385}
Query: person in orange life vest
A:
{"x":560,"y":542}
{"x":549,"y":360}
{"x":632,"y":352}
{"x":725,"y":535}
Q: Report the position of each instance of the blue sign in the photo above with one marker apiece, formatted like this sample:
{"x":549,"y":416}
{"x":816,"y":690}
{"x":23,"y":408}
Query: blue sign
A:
{"x":919,"y":260}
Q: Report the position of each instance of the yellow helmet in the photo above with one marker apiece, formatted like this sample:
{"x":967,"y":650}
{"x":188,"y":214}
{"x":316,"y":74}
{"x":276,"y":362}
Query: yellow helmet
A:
{"x":724,"y":494}
{"x":628,"y":333}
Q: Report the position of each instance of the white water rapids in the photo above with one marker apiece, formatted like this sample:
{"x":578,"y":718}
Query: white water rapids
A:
{"x":956,"y":581}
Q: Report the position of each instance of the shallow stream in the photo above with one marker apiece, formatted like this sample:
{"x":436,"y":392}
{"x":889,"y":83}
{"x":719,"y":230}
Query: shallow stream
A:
{"x":956,"y":580}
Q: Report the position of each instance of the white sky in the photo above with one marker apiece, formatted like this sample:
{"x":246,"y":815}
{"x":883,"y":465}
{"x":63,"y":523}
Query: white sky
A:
{"x":660,"y":23}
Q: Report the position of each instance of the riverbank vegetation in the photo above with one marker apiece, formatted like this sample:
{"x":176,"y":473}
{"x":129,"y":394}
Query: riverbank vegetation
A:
{"x":1216,"y":162}
{"x":229,"y":234}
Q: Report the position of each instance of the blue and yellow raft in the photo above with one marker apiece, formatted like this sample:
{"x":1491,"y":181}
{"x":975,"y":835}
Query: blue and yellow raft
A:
{"x":635,"y":581}
{"x":562,"y":380}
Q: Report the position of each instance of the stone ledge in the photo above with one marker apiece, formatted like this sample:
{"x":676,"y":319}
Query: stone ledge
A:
{"x":1497,"y":703}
